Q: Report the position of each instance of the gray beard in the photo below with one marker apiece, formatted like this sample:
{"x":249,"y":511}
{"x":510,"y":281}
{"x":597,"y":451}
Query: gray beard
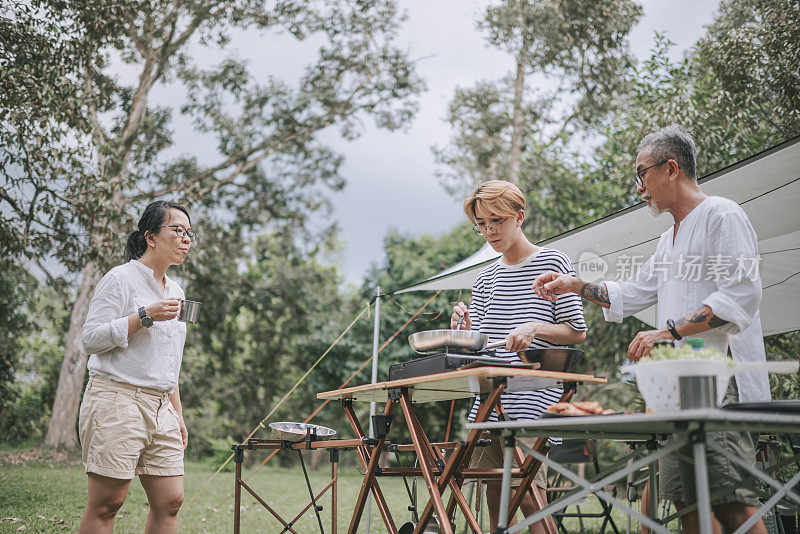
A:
{"x":655,"y":211}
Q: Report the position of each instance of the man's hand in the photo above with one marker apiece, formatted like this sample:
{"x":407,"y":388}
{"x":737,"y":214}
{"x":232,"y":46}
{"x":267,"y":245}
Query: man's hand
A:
{"x":551,"y":284}
{"x":163,"y":310}
{"x":460,"y":310}
{"x":521,"y":337}
{"x":643,"y":343}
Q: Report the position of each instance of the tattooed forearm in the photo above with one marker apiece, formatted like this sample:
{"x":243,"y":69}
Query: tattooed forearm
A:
{"x":716,"y":322}
{"x":595,"y":292}
{"x":700,"y":316}
{"x":703,"y":316}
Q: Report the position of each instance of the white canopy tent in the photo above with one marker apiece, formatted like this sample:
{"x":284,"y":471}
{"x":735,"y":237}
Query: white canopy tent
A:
{"x":766,"y":185}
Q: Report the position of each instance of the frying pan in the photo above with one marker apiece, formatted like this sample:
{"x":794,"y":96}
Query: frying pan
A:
{"x":431,"y":340}
{"x":551,"y":359}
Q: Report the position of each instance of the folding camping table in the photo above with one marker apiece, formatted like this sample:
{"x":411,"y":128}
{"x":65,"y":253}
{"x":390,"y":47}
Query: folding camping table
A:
{"x":440,"y":473}
{"x":310,"y":443}
{"x":689,"y":427}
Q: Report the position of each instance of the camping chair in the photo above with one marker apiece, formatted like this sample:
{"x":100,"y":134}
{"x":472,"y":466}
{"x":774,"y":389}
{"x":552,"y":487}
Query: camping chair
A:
{"x":578,"y":452}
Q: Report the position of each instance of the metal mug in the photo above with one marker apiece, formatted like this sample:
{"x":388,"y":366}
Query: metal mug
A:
{"x":697,"y":392}
{"x":189,"y":311}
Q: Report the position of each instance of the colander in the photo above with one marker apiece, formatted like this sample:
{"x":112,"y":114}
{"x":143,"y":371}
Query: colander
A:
{"x":658,"y":381}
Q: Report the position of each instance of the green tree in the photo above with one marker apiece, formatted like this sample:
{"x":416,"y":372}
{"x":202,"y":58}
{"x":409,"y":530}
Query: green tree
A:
{"x":15,"y":285}
{"x":44,"y":135}
{"x":267,"y":316}
{"x":581,"y":45}
{"x":33,"y":320}
{"x":271,"y":165}
{"x":737,"y":91}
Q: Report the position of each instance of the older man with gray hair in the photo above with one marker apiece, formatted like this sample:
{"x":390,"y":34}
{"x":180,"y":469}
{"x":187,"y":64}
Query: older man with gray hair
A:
{"x":716,"y":300}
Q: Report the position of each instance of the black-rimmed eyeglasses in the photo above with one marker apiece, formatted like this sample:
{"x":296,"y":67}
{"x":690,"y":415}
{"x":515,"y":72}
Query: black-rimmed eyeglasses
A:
{"x":640,"y":174}
{"x":182,"y":232}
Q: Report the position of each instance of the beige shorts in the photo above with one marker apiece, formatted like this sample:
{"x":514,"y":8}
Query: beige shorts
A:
{"x":491,"y":457}
{"x":127,"y":431}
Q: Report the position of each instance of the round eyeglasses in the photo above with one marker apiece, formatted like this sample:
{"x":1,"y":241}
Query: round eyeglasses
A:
{"x":482,"y":227}
{"x":181,"y":232}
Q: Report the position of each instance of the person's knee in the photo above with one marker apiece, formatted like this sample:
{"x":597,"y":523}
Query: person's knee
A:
{"x":732,"y":515}
{"x":169,"y":506}
{"x":108,"y":507}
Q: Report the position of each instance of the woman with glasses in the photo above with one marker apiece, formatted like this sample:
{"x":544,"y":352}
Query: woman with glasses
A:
{"x":131,"y":419}
{"x":504,"y":308}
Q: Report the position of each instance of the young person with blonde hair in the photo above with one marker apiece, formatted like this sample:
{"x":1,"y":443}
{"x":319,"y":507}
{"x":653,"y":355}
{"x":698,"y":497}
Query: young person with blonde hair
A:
{"x":504,"y":308}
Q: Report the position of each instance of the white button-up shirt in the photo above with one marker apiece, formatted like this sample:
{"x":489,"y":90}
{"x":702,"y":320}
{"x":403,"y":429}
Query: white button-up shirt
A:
{"x":152,"y":356}
{"x":714,"y":262}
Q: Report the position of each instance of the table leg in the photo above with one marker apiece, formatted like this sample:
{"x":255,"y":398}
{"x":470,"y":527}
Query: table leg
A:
{"x":652,"y":506}
{"x":484,"y":411}
{"x":334,"y":493}
{"x":530,"y":467}
{"x":701,"y":482}
{"x":369,"y":462}
{"x":426,"y":468}
{"x":237,"y":491}
{"x":505,"y":486}
{"x":446,"y":479}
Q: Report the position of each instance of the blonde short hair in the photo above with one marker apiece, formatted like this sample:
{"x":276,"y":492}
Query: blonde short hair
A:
{"x":496,"y":196}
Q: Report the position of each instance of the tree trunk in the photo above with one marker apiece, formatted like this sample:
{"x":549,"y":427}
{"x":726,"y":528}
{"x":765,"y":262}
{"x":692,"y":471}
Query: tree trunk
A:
{"x":61,"y":432}
{"x":516,"y":120}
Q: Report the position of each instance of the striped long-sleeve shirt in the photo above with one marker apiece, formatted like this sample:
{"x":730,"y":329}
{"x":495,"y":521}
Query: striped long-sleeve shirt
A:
{"x":502,"y":299}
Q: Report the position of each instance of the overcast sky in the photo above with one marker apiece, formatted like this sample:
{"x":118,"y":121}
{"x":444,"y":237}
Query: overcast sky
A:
{"x":391,"y":180}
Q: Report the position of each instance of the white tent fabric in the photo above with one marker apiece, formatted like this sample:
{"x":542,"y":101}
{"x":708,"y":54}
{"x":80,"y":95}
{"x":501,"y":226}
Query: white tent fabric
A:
{"x":766,"y":186}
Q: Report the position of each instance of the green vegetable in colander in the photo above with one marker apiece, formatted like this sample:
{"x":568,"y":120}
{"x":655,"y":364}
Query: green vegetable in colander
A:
{"x":684,"y":352}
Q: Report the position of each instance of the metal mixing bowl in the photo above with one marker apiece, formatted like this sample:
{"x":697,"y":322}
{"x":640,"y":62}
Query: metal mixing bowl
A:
{"x":291,"y":431}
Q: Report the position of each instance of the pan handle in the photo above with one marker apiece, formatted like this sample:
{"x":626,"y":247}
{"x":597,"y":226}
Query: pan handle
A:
{"x":495,"y":345}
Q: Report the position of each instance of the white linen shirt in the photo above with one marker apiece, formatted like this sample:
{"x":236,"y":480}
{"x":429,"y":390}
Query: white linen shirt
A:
{"x":714,"y":262}
{"x":152,"y":356}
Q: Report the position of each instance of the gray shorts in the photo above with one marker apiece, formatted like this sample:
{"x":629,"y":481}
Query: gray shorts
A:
{"x":728,"y":482}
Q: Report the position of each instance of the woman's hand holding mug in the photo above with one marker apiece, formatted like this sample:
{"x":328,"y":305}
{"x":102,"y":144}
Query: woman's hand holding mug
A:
{"x":163,"y":310}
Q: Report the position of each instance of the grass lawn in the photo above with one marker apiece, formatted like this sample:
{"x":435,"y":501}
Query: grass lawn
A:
{"x":49,"y":494}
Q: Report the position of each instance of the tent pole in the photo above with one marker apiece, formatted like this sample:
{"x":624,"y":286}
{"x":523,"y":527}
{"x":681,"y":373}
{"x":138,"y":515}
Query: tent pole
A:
{"x":372,"y":406}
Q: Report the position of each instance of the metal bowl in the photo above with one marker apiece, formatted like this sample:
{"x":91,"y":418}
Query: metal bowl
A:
{"x":561,"y":360}
{"x":290,"y":431}
{"x":431,"y":340}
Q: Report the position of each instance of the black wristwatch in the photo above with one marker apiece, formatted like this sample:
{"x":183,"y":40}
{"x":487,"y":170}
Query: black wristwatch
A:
{"x":144,"y":319}
{"x":673,"y":330}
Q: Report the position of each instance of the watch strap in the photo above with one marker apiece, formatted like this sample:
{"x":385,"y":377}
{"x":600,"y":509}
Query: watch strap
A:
{"x":673,"y":330}
{"x":142,"y":313}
